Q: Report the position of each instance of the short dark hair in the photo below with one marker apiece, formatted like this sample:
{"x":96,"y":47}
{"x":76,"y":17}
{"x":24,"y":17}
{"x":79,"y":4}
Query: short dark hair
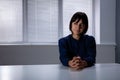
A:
{"x":78,"y":16}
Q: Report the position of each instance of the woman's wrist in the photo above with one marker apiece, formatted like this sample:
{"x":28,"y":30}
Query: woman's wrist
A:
{"x":85,"y":64}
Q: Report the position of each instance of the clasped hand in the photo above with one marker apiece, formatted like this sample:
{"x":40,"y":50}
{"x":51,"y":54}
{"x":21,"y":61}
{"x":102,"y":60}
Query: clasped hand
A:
{"x":77,"y":63}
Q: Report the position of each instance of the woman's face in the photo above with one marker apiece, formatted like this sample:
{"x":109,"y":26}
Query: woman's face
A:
{"x":77,"y":28}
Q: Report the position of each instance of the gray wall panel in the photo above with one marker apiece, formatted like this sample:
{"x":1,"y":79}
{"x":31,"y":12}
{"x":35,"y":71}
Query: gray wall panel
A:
{"x":36,"y":54}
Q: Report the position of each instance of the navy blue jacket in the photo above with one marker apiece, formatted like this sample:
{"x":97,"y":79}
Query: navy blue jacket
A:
{"x":85,"y":47}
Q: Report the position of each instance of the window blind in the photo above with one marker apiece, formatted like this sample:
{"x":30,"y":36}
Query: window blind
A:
{"x":10,"y":21}
{"x":42,"y":21}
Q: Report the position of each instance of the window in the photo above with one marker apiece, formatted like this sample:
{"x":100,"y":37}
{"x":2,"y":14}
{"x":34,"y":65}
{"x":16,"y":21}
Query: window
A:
{"x":42,"y":17}
{"x":10,"y":21}
{"x":39,"y":21}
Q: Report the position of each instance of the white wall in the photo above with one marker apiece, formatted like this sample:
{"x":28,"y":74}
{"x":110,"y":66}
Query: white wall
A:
{"x":107,"y":24}
{"x":105,"y":19}
{"x":118,"y":31}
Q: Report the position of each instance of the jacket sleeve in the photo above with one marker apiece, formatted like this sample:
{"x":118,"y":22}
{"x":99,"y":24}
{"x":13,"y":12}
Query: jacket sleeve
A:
{"x":91,"y":51}
{"x":63,"y":52}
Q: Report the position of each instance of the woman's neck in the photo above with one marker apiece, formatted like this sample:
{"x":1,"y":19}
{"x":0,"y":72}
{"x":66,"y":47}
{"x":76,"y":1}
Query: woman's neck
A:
{"x":77,"y":37}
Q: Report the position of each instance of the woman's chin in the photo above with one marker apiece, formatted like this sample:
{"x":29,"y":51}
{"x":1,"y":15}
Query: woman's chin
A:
{"x":78,"y":34}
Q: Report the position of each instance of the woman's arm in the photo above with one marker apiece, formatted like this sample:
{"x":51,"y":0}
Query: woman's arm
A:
{"x":91,"y":51}
{"x":63,"y":52}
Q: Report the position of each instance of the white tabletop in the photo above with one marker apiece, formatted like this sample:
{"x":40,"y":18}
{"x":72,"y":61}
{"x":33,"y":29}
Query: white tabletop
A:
{"x":59,"y":72}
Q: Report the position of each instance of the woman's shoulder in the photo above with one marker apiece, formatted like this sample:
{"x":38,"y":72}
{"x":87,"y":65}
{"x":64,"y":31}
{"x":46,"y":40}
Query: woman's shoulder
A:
{"x":64,"y":39}
{"x":88,"y":37}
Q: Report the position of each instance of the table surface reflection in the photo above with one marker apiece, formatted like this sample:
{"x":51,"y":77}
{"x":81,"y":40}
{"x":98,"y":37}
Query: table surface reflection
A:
{"x":58,"y":72}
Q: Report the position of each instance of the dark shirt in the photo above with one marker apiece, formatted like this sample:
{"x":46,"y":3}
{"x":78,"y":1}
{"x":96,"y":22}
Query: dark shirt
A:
{"x":85,"y":47}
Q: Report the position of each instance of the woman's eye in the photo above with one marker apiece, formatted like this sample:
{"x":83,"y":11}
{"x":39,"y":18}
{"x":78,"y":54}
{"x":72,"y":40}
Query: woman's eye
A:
{"x":81,"y":25}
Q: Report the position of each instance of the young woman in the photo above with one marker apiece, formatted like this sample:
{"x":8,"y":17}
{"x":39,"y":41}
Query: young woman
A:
{"x":78,"y":50}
